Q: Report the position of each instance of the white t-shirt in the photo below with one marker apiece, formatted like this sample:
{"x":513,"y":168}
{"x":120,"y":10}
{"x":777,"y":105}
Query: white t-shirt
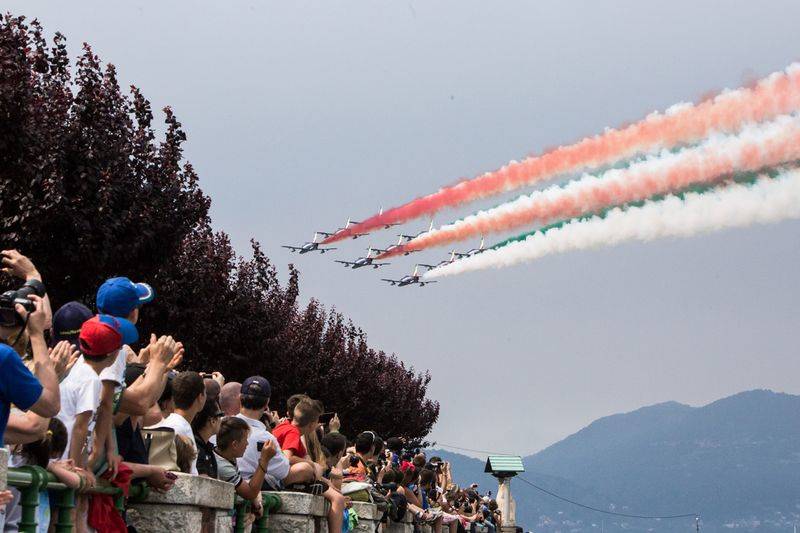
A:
{"x":278,"y":466}
{"x":80,"y":393}
{"x":181,"y":427}
{"x":116,"y":371}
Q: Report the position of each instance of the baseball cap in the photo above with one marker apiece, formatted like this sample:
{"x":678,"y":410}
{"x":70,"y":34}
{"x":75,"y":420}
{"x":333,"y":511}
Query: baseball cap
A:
{"x":257,"y":386}
{"x":104,"y":334}
{"x":120,"y":296}
{"x":67,"y":322}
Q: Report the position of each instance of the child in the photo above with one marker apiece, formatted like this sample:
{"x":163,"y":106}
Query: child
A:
{"x":231,"y":444}
{"x":289,"y":435}
{"x":45,"y":453}
{"x":100,"y":340}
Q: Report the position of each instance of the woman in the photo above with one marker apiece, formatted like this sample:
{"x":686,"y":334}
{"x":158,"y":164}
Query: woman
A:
{"x":205,"y":425}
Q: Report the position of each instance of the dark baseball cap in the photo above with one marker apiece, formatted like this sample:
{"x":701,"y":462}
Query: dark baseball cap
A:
{"x":256,"y":386}
{"x":120,"y":296}
{"x":67,"y":322}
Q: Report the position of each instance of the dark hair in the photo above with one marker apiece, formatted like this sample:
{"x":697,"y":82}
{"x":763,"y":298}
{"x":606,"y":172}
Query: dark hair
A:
{"x":232,"y":429}
{"x":306,"y":411}
{"x":365,"y":442}
{"x":390,"y":476}
{"x":254,"y":401}
{"x":378,"y":443}
{"x":334,"y":443}
{"x":209,"y":411}
{"x":54,"y":443}
{"x":427,"y":477}
{"x":186,"y":387}
{"x":395,"y":444}
{"x":292,"y":402}
{"x":166,"y":395}
{"x":212,"y":388}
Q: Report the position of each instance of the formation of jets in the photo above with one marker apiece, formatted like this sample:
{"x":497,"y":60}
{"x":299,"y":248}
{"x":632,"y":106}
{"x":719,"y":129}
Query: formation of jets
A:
{"x":368,"y":260}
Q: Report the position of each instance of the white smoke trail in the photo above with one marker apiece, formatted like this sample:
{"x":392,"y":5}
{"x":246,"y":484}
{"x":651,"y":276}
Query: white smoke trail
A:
{"x":756,"y":146}
{"x":765,"y":201}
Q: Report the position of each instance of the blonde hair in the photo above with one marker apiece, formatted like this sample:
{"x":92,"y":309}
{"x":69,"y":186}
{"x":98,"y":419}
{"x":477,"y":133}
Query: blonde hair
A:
{"x":314,"y":449}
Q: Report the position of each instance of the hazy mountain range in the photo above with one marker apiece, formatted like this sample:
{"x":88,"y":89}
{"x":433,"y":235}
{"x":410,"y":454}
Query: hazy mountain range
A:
{"x":735,"y":461}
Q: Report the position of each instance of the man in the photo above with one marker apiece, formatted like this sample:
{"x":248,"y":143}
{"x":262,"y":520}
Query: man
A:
{"x":229,"y":398}
{"x":189,"y":395}
{"x":289,"y":434}
{"x":254,"y":398}
{"x":38,"y":391}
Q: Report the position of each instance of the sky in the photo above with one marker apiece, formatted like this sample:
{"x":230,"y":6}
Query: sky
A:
{"x":301,"y":114}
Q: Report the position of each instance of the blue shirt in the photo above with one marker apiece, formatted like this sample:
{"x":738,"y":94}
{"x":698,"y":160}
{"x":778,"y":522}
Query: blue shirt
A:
{"x":17,"y":386}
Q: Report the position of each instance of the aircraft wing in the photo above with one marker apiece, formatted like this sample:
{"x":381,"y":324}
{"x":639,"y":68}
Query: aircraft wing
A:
{"x":292,"y":248}
{"x":392,"y":281}
{"x":357,"y":235}
{"x":379,"y":264}
{"x":346,"y":263}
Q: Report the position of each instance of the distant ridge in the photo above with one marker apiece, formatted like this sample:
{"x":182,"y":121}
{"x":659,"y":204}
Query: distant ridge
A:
{"x":736,"y":461}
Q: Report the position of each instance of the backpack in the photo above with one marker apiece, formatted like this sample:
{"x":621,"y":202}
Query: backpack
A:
{"x":396,"y":509}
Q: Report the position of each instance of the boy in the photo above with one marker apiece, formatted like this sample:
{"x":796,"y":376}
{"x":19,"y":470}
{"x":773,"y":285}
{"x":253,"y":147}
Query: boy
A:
{"x":289,"y":435}
{"x":189,"y":395}
{"x":100,"y":340}
{"x":231,"y":443}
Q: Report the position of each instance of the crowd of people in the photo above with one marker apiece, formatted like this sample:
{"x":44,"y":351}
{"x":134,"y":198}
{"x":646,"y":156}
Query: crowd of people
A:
{"x":76,"y":399}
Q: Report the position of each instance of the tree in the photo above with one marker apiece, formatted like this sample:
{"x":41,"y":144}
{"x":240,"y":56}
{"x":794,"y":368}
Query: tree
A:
{"x":89,"y":192}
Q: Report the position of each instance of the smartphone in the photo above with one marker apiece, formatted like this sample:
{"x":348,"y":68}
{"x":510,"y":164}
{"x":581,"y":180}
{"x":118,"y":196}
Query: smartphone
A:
{"x":260,"y":445}
{"x":326,"y":417}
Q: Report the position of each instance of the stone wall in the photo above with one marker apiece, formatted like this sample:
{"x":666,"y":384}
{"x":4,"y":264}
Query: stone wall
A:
{"x":200,"y":504}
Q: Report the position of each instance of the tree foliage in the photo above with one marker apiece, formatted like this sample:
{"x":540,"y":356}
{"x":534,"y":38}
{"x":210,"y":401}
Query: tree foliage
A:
{"x":88,"y":191}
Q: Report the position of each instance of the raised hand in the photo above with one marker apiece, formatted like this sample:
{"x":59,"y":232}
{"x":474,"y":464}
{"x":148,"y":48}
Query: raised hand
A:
{"x":17,"y":265}
{"x":63,"y":355}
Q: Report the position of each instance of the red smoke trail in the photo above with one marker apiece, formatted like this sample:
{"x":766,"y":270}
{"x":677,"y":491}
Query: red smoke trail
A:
{"x":774,"y":95}
{"x":758,"y":147}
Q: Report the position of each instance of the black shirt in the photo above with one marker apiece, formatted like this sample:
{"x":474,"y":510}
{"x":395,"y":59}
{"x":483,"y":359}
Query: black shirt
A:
{"x":130,"y":443}
{"x":206,"y":462}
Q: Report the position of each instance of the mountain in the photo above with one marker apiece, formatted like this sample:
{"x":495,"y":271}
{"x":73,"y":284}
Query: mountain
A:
{"x":735,"y":461}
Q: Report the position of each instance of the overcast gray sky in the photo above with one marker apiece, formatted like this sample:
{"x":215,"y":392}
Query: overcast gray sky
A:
{"x":300,"y":114}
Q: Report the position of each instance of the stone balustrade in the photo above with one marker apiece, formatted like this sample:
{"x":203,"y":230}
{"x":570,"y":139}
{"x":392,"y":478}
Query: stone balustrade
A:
{"x":200,"y":504}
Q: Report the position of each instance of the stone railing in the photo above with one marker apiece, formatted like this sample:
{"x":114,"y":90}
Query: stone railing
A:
{"x":200,"y":504}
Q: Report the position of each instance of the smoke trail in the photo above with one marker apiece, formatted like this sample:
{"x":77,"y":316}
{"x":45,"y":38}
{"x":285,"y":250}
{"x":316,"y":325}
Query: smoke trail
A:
{"x":766,"y":200}
{"x":774,"y":95}
{"x":755,"y":147}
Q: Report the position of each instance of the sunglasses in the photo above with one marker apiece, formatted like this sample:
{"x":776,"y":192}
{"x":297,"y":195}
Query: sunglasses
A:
{"x":219,"y":415}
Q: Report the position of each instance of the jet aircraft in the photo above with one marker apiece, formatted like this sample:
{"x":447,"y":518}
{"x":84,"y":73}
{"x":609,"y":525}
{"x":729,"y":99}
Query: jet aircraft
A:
{"x":346,"y":226}
{"x":367,"y":260}
{"x":470,"y":253}
{"x":393,"y":246}
{"x":413,"y":279}
{"x":312,"y":246}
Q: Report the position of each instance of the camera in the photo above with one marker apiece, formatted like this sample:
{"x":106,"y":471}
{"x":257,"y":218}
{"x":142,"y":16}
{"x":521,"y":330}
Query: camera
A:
{"x":8,"y":314}
{"x":260,"y":445}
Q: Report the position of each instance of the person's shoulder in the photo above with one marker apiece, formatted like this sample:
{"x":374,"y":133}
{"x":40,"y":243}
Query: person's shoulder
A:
{"x":6,"y":351}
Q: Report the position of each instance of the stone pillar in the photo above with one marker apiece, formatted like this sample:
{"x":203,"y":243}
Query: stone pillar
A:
{"x":193,"y":504}
{"x":507,"y":505}
{"x":299,"y":513}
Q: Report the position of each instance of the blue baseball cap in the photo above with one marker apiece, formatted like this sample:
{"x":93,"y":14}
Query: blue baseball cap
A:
{"x":120,"y":296}
{"x":67,"y":322}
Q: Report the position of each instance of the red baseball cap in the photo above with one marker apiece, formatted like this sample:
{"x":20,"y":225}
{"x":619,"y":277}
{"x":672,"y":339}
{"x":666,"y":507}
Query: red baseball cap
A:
{"x":105,"y":334}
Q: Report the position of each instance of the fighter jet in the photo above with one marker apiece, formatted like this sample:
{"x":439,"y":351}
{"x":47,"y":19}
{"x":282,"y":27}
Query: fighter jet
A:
{"x":390,"y":224}
{"x":413,"y":279}
{"x":363,"y":261}
{"x":346,"y":226}
{"x":393,"y":246}
{"x":312,"y":246}
{"x":470,"y":253}
{"x":411,"y":237}
{"x":441,"y":263}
